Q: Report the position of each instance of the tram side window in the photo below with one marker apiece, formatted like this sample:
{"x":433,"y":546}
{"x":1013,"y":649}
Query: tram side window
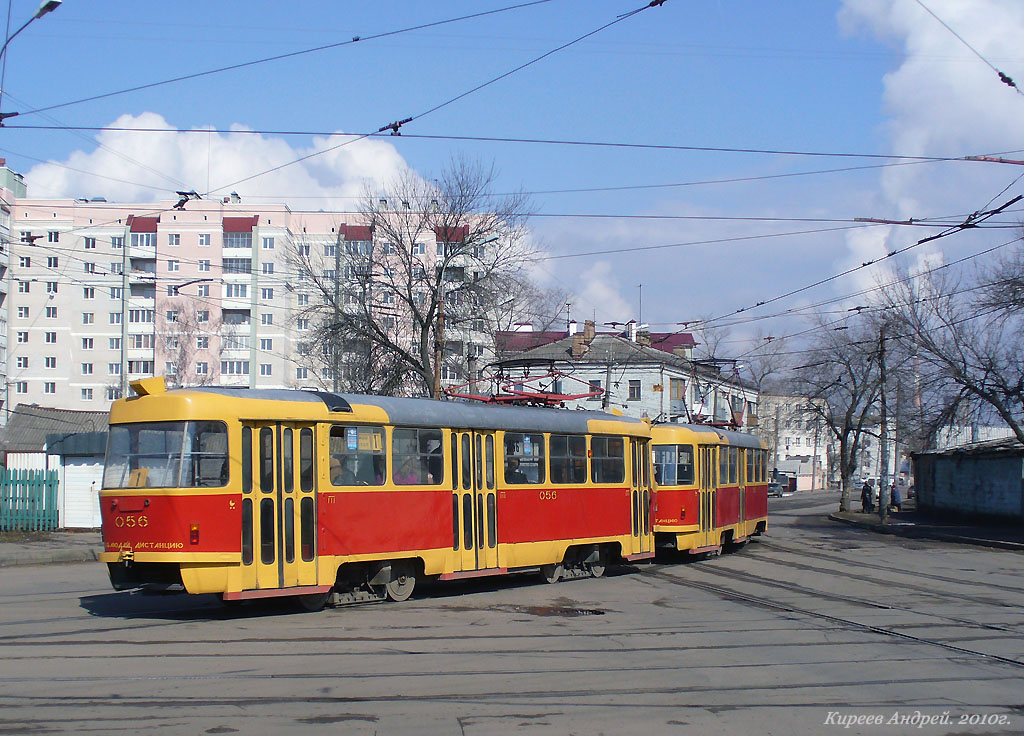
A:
{"x":723,"y":465}
{"x":524,"y":458}
{"x":734,"y":460}
{"x":418,"y":457}
{"x":568,"y":459}
{"x":608,"y":459}
{"x":673,"y":465}
{"x":751,"y":465}
{"x":357,"y":456}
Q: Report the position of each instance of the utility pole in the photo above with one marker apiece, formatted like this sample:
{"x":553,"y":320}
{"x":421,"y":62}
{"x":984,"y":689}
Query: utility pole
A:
{"x":883,"y":440}
{"x":336,"y":347}
{"x":606,"y":399}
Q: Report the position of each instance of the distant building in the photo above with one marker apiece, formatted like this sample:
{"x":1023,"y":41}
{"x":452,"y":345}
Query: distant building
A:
{"x":981,"y":480}
{"x":628,"y":373}
{"x":799,"y":442}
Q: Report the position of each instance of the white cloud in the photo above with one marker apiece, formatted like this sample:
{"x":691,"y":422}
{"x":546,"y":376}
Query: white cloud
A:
{"x":599,"y":294}
{"x":943,"y":100}
{"x":148,"y":166}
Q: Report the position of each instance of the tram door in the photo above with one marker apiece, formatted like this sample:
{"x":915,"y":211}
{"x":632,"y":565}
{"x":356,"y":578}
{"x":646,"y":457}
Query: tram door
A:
{"x":640,"y":497}
{"x":280,"y":529}
{"x":708,"y":472}
{"x":475,"y":503}
{"x":741,"y":469}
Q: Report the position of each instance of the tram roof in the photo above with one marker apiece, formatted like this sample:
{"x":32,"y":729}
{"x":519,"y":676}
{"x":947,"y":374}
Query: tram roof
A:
{"x":737,"y":439}
{"x":431,"y":413}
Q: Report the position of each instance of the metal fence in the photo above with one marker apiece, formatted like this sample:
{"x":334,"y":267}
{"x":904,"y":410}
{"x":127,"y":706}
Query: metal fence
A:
{"x":28,"y":500}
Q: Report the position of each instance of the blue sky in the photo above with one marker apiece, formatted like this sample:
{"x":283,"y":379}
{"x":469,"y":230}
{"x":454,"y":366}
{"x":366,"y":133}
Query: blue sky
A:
{"x":857,"y":76}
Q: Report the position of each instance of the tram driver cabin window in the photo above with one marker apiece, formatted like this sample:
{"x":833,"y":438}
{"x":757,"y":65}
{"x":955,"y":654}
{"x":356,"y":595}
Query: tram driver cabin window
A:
{"x":358,"y":456}
{"x":568,"y":459}
{"x":673,"y":465}
{"x":418,"y":457}
{"x":524,"y":458}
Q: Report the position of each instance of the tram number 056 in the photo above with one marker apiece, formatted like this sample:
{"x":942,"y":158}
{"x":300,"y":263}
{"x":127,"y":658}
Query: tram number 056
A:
{"x":548,"y":495}
{"x":131,"y":521}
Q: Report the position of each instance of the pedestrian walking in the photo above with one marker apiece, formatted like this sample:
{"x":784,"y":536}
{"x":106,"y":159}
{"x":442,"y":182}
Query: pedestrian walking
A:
{"x":894,"y":497}
{"x":867,"y":498}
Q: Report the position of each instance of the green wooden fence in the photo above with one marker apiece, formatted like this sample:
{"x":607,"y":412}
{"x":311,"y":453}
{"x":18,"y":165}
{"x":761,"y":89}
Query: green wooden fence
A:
{"x":28,"y":500}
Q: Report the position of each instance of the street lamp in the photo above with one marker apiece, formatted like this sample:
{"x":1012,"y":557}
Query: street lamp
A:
{"x":47,"y":6}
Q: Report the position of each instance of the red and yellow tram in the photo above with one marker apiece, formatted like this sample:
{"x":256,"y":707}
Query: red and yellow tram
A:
{"x":262,"y":493}
{"x":711,"y":487}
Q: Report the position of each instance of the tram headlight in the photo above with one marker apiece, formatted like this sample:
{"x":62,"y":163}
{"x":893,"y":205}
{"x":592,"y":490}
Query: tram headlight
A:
{"x":193,"y":533}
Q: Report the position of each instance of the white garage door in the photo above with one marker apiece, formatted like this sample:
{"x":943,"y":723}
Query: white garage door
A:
{"x":80,"y":483}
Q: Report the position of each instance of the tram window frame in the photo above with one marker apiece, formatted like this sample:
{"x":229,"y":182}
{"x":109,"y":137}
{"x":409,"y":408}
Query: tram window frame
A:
{"x":567,"y":458}
{"x":528,"y":450}
{"x":307,"y":529}
{"x":671,"y":472}
{"x":266,"y":440}
{"x":184,"y":454}
{"x":734,"y":465}
{"x":467,"y":462}
{"x":288,"y":459}
{"x":365,"y":445}
{"x":268,"y":541}
{"x":247,"y":549}
{"x":307,"y":459}
{"x":247,"y":460}
{"x":489,"y":472}
{"x":420,"y":463}
{"x":751,"y":465}
{"x":723,"y":465}
{"x":605,"y":465}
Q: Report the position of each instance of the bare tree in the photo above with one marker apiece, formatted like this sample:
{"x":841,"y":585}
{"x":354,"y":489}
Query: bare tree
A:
{"x":439,"y":266}
{"x":966,"y":337}
{"x":193,"y":334}
{"x":840,"y":379}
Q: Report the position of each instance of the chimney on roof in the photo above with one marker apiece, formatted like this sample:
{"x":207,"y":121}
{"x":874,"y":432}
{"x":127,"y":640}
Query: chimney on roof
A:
{"x":631,"y":330}
{"x":643,"y":337}
{"x":573,"y":327}
{"x":589,"y":330}
{"x":579,"y":346}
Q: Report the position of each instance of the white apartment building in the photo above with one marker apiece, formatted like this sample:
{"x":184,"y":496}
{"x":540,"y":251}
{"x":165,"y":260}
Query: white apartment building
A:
{"x":798,"y":439}
{"x":102,"y":293}
{"x":11,"y":186}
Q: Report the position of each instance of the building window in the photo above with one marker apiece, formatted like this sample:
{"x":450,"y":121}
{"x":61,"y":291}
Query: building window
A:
{"x":51,"y":313}
{"x":303,"y":299}
{"x":634,"y":390}
{"x":115,"y":318}
{"x":138,"y":316}
{"x":302,"y":324}
{"x":268,"y":268}
{"x":204,"y":239}
{"x":268,"y":244}
{"x":23,"y":337}
{"x":51,"y":337}
{"x":23,"y":312}
{"x":86,"y":369}
{"x":236,"y":290}
{"x":301,"y":373}
{"x":140,"y":340}
{"x":173,"y":239}
{"x":266,"y":293}
{"x":329,"y":249}
{"x":204,"y":265}
{"x":52,"y":262}
{"x":203,"y":316}
{"x":116,"y":268}
{"x":114,"y":369}
{"x":90,"y":243}
{"x":173,"y":265}
{"x":172,"y":290}
{"x":24,"y":261}
{"x":87,"y":343}
{"x":143,"y":240}
{"x":50,"y":362}
{"x":89,"y":292}
{"x":117,"y":242}
{"x":595,"y":388}
{"x":266,"y":318}
{"x":26,"y":236}
{"x":203,"y":290}
{"x":237,"y":265}
{"x":23,"y":361}
{"x":49,"y":387}
{"x":170,"y":368}
{"x":24,"y":287}
{"x":234,"y":367}
{"x":21,"y":387}
{"x":115,"y":292}
{"x":237,"y":240}
{"x":202,"y":368}
{"x":113,"y":393}
{"x":265,"y":369}
{"x":88,"y":318}
{"x":53,"y":237}
{"x":266,"y":343}
{"x":87,"y":394}
{"x":171,"y":342}
{"x":114,"y":343}
{"x":51,"y":287}
{"x":202,"y":343}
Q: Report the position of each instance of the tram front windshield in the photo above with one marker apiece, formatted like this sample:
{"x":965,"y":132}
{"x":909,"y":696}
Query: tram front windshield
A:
{"x":166,"y":455}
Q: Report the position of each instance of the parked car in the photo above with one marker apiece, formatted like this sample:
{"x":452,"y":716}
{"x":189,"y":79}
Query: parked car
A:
{"x":776,"y":489}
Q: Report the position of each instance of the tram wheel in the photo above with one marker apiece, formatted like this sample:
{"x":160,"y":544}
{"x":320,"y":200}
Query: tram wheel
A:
{"x":401,"y":587}
{"x":314,"y":601}
{"x":551,"y":573}
{"x":597,"y":568}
